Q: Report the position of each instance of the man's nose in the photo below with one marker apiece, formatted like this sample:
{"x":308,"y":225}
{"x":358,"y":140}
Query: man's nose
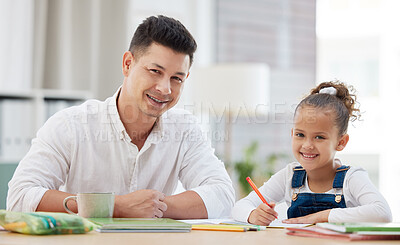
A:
{"x":164,"y":86}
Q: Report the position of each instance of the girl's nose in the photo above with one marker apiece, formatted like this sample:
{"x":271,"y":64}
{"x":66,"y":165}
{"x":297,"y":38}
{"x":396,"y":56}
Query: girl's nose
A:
{"x":308,"y":145}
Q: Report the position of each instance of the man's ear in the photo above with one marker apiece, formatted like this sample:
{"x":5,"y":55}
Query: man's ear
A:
{"x":127,"y":61}
{"x":342,"y":142}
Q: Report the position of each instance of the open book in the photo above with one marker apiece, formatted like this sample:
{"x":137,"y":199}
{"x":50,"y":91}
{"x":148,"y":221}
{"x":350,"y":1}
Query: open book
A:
{"x":319,"y":232}
{"x":358,"y":227}
{"x":140,"y":225}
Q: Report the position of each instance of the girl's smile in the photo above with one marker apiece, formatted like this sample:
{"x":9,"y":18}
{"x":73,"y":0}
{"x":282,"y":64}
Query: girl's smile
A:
{"x":308,"y":156}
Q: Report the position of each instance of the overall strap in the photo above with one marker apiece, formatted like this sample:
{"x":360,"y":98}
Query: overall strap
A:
{"x":339,"y":177}
{"x":299,"y":176}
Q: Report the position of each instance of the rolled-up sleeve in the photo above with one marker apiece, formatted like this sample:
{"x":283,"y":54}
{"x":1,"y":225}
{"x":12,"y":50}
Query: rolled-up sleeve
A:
{"x":205,"y":174}
{"x":45,"y":166}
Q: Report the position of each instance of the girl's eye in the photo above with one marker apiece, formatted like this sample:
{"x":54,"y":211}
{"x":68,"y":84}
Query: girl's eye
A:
{"x":299,"y":135}
{"x":320,"y":137}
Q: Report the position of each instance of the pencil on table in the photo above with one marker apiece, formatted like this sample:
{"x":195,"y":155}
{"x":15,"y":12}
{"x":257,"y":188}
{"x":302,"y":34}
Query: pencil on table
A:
{"x":218,"y":228}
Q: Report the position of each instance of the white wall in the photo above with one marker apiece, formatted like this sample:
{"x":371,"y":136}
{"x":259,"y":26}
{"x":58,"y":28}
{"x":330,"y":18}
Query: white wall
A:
{"x":359,"y":43}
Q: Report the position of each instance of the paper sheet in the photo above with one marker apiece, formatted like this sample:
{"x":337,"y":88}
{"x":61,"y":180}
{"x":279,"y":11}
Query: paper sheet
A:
{"x":274,"y":224}
{"x":278,"y":224}
{"x":204,"y":221}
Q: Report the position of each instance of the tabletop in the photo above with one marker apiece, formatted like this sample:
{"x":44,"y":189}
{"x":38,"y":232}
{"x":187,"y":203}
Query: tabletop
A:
{"x":270,"y":236}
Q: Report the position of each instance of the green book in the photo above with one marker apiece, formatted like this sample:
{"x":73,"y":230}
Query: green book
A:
{"x":358,"y":227}
{"x":140,"y":225}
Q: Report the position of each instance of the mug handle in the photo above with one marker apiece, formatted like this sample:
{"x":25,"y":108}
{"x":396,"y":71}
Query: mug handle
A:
{"x":65,"y":204}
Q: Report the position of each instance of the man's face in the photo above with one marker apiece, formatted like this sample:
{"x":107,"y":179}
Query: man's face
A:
{"x":154,"y":81}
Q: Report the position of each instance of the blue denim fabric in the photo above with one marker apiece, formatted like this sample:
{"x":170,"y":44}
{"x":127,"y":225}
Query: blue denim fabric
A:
{"x":308,"y":203}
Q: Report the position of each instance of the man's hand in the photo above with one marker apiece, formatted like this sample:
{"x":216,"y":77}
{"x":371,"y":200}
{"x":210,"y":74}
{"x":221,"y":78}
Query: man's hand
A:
{"x":318,"y":217}
{"x":140,"y":204}
{"x":263,"y":214}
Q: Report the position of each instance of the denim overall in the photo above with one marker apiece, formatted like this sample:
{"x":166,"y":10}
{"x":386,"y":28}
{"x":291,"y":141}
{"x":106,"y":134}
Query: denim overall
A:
{"x":308,"y":203}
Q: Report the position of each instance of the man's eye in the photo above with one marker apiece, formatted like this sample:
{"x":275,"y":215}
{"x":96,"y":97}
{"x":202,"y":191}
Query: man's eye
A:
{"x":154,"y":71}
{"x":178,"y":79}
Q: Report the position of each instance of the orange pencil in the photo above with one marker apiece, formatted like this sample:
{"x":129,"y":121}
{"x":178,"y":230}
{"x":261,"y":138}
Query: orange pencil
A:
{"x":258,"y":192}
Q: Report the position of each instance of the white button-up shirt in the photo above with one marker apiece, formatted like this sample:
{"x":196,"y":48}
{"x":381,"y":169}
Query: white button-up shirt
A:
{"x":87,"y":149}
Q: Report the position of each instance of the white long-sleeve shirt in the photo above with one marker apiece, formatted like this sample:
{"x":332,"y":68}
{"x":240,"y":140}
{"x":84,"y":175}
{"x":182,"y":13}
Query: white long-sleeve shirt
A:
{"x":87,"y":149}
{"x":364,"y":203}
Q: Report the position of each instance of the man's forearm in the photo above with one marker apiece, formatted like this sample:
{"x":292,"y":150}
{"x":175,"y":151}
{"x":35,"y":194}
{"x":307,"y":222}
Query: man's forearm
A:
{"x":186,"y":205}
{"x":52,"y":201}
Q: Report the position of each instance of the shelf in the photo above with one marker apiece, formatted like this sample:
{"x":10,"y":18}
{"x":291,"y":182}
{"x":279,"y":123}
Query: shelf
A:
{"x":17,"y":95}
{"x":47,"y":94}
{"x":22,"y":113}
{"x":52,"y":94}
{"x":9,"y":161}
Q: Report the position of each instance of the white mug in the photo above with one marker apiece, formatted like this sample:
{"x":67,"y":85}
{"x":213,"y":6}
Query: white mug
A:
{"x":92,"y":205}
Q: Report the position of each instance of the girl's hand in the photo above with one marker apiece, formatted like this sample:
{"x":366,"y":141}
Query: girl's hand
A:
{"x":318,"y":217}
{"x":263,"y":214}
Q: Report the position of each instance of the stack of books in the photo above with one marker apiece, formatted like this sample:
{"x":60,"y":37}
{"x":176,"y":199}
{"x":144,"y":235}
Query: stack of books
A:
{"x":140,"y":225}
{"x":350,"y":231}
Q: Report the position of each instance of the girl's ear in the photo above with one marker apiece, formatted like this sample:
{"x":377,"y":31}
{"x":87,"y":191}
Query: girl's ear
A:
{"x":291,"y":133}
{"x":342,"y":142}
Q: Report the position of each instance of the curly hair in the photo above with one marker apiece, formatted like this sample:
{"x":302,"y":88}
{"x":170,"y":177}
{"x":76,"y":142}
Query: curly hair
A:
{"x":344,"y":103}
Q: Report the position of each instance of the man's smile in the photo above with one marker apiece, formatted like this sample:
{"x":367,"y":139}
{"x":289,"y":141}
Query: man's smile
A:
{"x":156,"y":99}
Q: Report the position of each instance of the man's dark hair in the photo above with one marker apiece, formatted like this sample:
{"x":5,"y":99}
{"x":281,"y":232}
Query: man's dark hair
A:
{"x":165,"y":31}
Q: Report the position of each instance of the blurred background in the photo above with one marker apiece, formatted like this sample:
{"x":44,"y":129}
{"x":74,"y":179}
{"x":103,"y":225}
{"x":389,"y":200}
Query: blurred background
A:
{"x":256,"y":60}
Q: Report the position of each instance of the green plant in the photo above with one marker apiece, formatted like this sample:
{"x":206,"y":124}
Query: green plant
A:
{"x":271,"y":161}
{"x":249,"y":165}
{"x":246,"y":167}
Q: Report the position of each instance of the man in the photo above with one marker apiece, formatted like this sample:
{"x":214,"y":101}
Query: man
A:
{"x":130,"y":144}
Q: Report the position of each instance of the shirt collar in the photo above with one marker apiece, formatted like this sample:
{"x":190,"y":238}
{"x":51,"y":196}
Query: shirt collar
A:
{"x":113,"y":114}
{"x":156,"y":133}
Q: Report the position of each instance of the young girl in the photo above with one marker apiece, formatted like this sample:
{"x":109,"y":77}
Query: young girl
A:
{"x":318,"y":188}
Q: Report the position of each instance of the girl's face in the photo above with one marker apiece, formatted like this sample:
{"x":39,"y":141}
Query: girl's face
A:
{"x":315,"y":138}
